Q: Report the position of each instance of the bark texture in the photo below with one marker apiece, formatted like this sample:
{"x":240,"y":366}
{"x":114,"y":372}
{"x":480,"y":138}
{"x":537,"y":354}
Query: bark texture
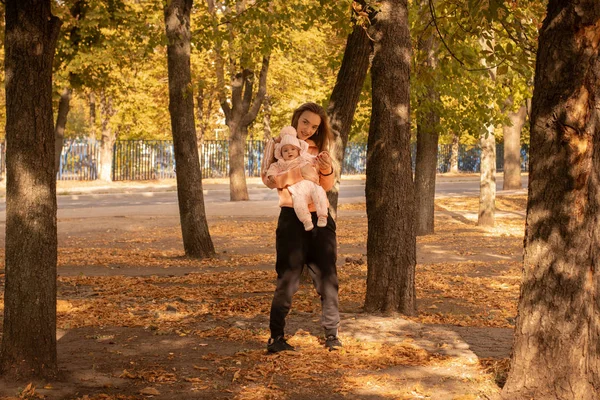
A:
{"x":487,"y":179}
{"x":108,"y":138}
{"x":557,"y":336}
{"x":194,"y":227}
{"x":487,"y":144}
{"x":454,"y":154}
{"x":344,"y":99}
{"x":428,"y":120}
{"x":29,"y":331}
{"x":391,"y":241}
{"x":267,"y":134}
{"x":512,"y":149}
{"x":61,"y":122}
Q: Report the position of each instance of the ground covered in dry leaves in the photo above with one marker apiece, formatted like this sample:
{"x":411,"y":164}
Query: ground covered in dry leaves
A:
{"x":137,"y":320}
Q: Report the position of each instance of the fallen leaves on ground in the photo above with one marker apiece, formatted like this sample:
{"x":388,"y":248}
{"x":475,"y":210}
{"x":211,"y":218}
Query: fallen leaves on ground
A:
{"x":228,"y":298}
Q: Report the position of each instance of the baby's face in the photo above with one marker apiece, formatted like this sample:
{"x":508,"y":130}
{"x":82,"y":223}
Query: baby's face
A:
{"x":289,"y":152}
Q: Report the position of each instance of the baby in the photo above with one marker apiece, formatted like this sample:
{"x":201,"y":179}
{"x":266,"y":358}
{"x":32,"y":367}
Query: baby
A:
{"x":291,"y":153}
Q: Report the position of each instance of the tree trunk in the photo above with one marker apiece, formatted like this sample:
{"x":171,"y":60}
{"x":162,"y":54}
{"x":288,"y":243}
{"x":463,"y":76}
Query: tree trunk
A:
{"x":194,"y":227}
{"x":343,"y":101}
{"x":200,"y":116}
{"x":205,"y":100}
{"x":29,"y":331}
{"x":428,"y":120}
{"x":391,"y":241}
{"x":425,"y":171}
{"x":237,"y":173}
{"x":108,"y":138}
{"x":239,"y":116}
{"x":243,"y":109}
{"x":92,"y":100}
{"x":202,"y":125}
{"x":61,"y":122}
{"x":487,"y":166}
{"x":487,"y":179}
{"x":454,"y":155}
{"x":556,"y":352}
{"x":512,"y":149}
{"x":267,"y":134}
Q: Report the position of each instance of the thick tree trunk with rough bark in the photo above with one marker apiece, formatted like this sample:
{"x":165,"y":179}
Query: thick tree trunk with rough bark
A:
{"x":344,"y":98}
{"x":454,"y":155}
{"x":512,"y":149}
{"x":108,"y":138}
{"x":428,"y":120}
{"x":194,"y":227}
{"x":29,"y":331}
{"x":391,"y":241}
{"x":487,"y":179}
{"x":556,"y":353}
{"x":61,"y":123}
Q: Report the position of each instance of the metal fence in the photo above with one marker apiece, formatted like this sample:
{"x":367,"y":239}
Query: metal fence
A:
{"x":138,"y":160}
{"x":79,"y":160}
{"x":155,"y":159}
{"x":468,"y":159}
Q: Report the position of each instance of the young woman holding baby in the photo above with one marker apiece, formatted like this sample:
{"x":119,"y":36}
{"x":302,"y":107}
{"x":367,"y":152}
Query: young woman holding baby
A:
{"x":296,"y":247}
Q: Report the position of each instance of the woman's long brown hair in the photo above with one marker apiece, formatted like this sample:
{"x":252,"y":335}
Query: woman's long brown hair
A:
{"x":323,"y":137}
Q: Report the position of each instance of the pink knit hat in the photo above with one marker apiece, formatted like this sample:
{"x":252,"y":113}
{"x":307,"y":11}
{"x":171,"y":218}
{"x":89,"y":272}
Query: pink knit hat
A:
{"x":288,"y":136}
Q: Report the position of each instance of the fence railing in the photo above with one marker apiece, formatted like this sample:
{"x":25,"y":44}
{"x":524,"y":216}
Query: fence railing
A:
{"x":468,"y":158}
{"x":135,"y":160}
{"x":78,"y":160}
{"x":155,"y":159}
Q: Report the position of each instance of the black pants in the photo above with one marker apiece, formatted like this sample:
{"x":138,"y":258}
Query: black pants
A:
{"x":295,"y":248}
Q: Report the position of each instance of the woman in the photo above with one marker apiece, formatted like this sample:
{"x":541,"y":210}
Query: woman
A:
{"x":296,"y":247}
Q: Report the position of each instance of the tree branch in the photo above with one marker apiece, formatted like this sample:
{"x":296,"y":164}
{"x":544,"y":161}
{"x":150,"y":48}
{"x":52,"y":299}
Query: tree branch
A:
{"x":260,"y":94}
{"x":248,"y":77}
{"x":239,"y":14}
{"x":462,"y":63}
{"x":237,"y":84}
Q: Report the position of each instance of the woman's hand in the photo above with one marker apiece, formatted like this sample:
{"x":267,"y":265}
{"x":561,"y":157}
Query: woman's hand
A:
{"x":324,"y":162}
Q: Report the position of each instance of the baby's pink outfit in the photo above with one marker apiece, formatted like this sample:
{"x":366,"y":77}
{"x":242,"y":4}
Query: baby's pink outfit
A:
{"x":306,"y":191}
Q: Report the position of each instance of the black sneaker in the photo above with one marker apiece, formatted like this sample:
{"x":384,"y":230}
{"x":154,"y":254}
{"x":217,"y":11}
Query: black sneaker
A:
{"x":275,"y":345}
{"x":332,"y":342}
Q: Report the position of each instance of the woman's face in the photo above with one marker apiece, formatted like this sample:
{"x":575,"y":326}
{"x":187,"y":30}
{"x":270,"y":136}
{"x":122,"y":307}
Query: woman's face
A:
{"x":308,"y":123}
